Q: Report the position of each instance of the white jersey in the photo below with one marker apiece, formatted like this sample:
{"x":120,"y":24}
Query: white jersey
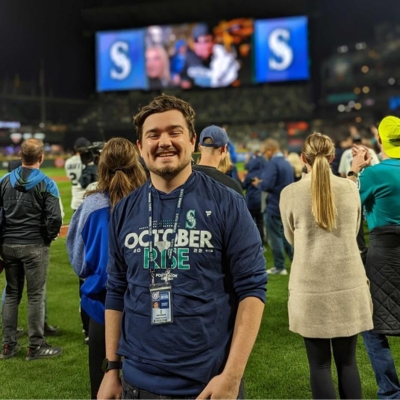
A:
{"x":347,"y":160}
{"x":73,"y":169}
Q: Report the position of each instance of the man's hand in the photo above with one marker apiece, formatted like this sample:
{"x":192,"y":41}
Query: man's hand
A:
{"x":110,"y":387}
{"x":361,"y":158}
{"x":255,"y":182}
{"x":221,"y":387}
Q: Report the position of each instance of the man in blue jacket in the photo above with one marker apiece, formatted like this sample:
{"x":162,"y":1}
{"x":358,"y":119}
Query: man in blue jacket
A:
{"x":277,"y":174}
{"x":189,"y":244}
{"x":31,"y":220}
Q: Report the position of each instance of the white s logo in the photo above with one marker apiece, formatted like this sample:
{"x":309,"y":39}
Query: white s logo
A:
{"x":277,"y":42}
{"x":118,"y":55}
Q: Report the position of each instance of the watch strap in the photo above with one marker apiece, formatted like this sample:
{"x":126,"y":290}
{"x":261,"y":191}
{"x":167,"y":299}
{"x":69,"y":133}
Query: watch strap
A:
{"x":352,"y":173}
{"x":109,"y":365}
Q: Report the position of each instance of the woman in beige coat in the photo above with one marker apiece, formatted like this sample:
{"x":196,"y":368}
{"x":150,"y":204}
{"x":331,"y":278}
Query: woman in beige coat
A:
{"x":329,"y":298}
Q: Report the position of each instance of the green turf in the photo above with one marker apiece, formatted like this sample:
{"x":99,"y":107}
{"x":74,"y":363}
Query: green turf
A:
{"x":277,"y":368}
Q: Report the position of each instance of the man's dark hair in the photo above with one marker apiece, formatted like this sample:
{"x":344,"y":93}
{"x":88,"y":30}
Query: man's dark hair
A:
{"x":162,"y":104}
{"x":31,"y":151}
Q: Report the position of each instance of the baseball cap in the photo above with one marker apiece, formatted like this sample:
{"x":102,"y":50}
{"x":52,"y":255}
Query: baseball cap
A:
{"x":217,"y":134}
{"x":81,"y":142}
{"x":201,"y":30}
{"x":389,"y":132}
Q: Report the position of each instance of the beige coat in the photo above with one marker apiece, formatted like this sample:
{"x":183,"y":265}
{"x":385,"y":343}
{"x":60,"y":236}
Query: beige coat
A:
{"x":329,"y":294}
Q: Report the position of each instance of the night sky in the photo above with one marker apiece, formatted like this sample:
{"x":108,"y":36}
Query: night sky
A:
{"x":55,"y":32}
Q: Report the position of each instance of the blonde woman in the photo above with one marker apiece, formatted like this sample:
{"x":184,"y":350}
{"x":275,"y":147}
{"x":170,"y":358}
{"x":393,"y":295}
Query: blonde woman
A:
{"x":329,"y":298}
{"x":295,"y":161}
{"x":157,"y":67}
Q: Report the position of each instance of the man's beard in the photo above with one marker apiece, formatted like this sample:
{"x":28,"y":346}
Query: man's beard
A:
{"x":169,"y":172}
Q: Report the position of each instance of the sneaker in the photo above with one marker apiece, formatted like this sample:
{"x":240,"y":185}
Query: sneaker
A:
{"x":51,"y":330}
{"x":42,"y":351}
{"x":276,"y":271}
{"x":9,"y":351}
{"x":86,"y":341}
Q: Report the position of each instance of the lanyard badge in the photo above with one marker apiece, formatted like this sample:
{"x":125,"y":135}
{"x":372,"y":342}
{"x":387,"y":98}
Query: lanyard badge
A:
{"x":161,"y":304}
{"x":161,"y":293}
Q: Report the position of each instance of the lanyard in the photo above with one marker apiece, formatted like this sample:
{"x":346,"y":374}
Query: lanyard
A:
{"x":171,"y":248}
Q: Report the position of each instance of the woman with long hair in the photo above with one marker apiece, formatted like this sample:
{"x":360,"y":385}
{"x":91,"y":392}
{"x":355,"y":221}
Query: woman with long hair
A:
{"x":119,"y":173}
{"x":329,"y":298}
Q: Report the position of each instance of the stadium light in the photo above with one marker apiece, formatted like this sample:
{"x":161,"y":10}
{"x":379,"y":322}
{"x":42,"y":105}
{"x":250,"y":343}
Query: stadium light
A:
{"x":365,"y":69}
{"x":342,"y":49}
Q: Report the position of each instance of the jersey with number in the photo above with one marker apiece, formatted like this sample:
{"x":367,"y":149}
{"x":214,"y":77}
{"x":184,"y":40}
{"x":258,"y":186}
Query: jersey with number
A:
{"x":73,"y":169}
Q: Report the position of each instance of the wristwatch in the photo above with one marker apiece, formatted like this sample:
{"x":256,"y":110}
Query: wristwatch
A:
{"x":108,"y":365}
{"x":352,"y":173}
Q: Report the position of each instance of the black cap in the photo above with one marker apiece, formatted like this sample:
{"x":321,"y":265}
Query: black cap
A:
{"x":81,"y":142}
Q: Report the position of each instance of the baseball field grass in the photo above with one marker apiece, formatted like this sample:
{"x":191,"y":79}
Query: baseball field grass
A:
{"x":277,"y":368}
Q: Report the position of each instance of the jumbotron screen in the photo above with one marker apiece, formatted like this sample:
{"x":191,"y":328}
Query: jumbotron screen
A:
{"x":238,"y":52}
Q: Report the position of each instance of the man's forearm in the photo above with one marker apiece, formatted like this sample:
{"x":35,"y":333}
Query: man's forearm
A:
{"x":247,"y":325}
{"x":113,"y":332}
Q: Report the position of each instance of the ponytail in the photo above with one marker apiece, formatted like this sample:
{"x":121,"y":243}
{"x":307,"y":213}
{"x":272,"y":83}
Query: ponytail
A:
{"x":323,"y":206}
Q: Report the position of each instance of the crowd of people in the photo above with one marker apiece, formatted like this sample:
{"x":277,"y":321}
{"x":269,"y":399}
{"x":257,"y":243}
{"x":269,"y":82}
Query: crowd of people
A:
{"x":226,"y":104}
{"x":170,"y":255}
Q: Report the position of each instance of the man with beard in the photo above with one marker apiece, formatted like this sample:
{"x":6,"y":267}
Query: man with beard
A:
{"x":175,"y":241}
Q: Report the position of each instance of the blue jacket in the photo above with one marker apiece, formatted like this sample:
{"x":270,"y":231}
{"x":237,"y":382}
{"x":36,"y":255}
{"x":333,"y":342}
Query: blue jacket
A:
{"x":87,"y":246}
{"x":254,"y":169}
{"x":217,"y":262}
{"x":277,"y":174}
{"x":30,"y":204}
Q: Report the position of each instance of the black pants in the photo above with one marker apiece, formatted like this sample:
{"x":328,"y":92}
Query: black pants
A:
{"x":132,"y":392}
{"x":97,"y":352}
{"x":319,"y":359}
{"x":84,"y":316}
{"x":259,"y":220}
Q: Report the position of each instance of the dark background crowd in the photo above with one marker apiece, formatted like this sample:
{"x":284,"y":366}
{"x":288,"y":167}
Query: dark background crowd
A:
{"x":47,"y":81}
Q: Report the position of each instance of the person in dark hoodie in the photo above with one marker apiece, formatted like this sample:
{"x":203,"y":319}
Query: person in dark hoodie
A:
{"x":254,"y":166}
{"x":31,"y":220}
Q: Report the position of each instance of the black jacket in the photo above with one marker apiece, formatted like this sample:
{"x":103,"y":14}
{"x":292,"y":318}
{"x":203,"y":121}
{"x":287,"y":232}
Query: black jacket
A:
{"x":219,"y":177}
{"x":30,"y":204}
{"x":383,"y":271}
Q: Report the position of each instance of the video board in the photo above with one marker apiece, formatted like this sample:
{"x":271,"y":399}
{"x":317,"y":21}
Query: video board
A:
{"x":238,"y":52}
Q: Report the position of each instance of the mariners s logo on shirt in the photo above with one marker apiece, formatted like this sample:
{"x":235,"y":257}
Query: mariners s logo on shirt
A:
{"x":190,"y":219}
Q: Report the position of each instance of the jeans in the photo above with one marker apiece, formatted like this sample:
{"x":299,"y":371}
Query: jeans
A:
{"x":31,"y":262}
{"x":379,"y":353}
{"x":3,"y":299}
{"x":132,"y":392}
{"x":277,"y":241}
